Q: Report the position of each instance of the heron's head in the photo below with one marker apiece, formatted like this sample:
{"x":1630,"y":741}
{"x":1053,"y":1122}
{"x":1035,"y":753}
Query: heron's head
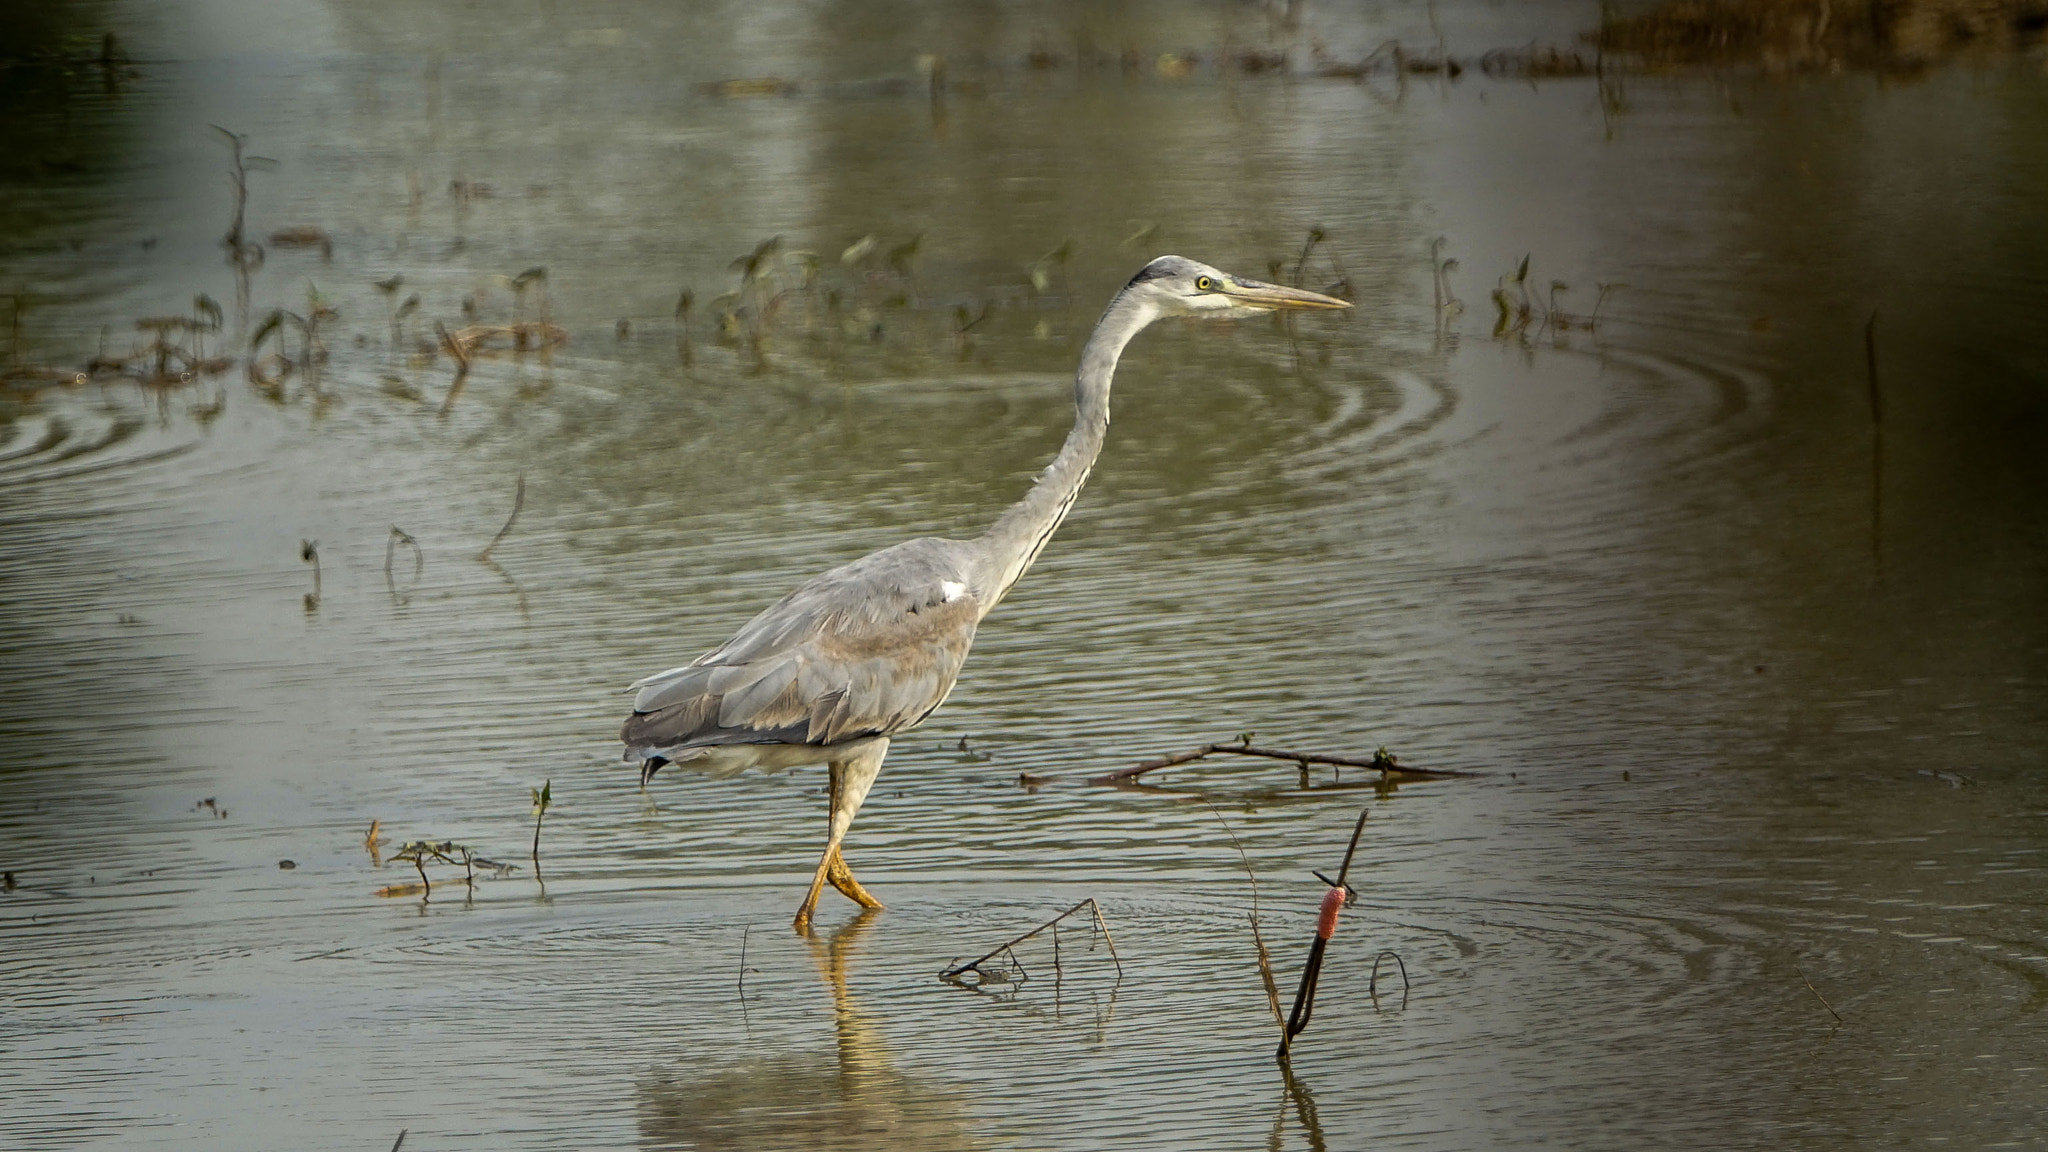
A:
{"x":1178,"y":286}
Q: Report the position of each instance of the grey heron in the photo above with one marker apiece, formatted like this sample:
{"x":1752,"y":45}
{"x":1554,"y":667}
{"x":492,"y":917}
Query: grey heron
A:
{"x":831,"y":672}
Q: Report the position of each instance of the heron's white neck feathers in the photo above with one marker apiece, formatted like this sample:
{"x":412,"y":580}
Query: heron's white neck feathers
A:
{"x":1021,"y":533}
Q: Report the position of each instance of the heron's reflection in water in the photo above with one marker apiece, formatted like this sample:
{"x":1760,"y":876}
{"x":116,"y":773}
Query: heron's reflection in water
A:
{"x":850,"y":1098}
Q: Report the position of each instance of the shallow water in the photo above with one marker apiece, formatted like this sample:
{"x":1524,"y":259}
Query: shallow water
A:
{"x":1757,"y":695}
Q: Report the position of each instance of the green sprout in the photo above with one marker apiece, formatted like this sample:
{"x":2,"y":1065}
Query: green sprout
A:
{"x":542,"y":797}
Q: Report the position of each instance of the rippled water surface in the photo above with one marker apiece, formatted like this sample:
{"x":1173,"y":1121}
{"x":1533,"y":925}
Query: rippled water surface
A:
{"x":1755,"y":684}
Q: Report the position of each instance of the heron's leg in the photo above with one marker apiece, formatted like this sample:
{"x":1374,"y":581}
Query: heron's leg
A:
{"x":837,"y":873}
{"x":851,"y":779}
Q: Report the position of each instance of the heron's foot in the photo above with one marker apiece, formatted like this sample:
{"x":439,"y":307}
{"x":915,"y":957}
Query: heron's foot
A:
{"x":841,"y":877}
{"x":802,"y":923}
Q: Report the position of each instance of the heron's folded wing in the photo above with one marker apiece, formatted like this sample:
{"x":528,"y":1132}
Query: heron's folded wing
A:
{"x":868,"y":649}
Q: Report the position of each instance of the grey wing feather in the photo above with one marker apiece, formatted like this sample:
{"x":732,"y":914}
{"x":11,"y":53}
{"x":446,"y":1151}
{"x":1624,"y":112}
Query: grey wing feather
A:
{"x":869,"y":648}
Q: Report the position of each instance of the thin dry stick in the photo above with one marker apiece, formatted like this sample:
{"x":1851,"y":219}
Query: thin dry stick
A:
{"x":1817,"y":996}
{"x":396,"y":1144}
{"x":1351,"y":848}
{"x":744,"y":933}
{"x":455,"y":350}
{"x":1383,"y":764}
{"x":518,"y":502}
{"x":1258,"y":941}
{"x":1100,"y":924}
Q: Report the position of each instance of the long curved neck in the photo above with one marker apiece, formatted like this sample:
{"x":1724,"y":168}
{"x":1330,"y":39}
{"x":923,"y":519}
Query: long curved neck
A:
{"x":1021,"y":533}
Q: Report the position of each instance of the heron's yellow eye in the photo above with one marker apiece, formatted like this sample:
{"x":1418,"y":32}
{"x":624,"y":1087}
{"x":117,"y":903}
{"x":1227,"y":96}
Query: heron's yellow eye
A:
{"x":1204,"y":284}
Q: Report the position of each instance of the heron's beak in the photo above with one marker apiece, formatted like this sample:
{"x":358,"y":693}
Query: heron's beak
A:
{"x":1259,"y":294}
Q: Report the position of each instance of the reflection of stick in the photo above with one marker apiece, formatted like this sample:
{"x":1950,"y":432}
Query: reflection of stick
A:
{"x":518,"y":502}
{"x":1304,"y":1109}
{"x":1100,"y":924}
{"x":1876,"y":446}
{"x":419,"y":558}
{"x":1382,"y":763}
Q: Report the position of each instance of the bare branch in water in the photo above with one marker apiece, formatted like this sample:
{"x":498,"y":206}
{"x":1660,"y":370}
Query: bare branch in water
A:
{"x":953,"y":974}
{"x":1382,"y":761}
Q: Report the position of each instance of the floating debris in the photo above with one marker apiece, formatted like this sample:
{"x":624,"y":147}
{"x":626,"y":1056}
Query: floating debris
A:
{"x":420,"y":853}
{"x":750,"y":86}
{"x":304,"y":237}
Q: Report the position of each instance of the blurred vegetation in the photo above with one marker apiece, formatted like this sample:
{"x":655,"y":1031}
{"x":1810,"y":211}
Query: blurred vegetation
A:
{"x":1824,"y":33}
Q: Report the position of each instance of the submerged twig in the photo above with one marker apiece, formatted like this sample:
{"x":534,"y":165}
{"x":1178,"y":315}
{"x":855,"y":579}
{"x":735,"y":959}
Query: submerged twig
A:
{"x":952,"y":974}
{"x":1382,"y":761}
{"x":518,"y":502}
{"x":1817,"y":996}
